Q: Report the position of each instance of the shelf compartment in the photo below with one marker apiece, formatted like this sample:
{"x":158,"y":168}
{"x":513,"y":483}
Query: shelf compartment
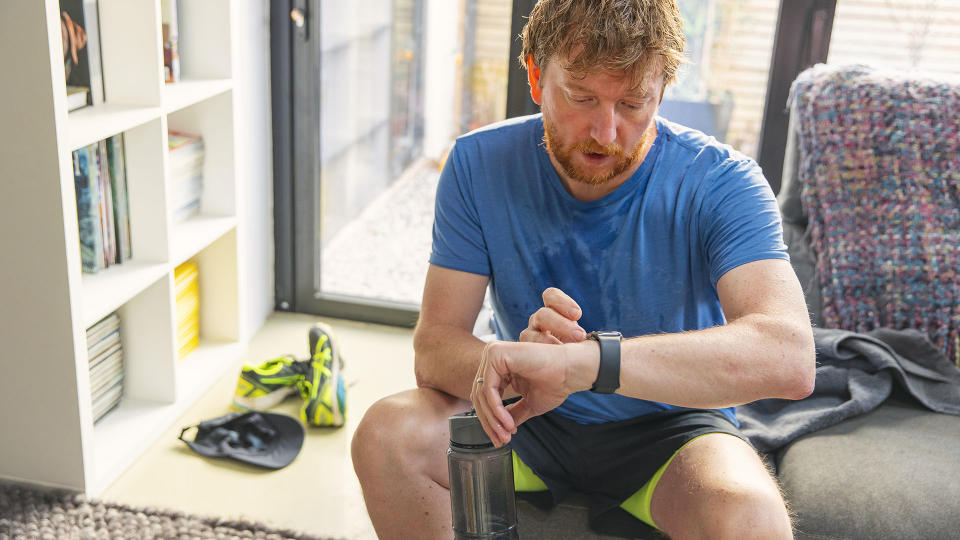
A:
{"x":212,"y":119}
{"x":219,"y":290}
{"x":107,"y":290}
{"x":188,"y":92}
{"x":195,"y":234}
{"x":126,"y":432}
{"x":91,"y":124}
{"x":204,"y":366}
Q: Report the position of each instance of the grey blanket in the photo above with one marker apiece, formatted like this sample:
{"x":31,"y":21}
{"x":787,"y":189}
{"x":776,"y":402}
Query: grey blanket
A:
{"x":855,"y":374}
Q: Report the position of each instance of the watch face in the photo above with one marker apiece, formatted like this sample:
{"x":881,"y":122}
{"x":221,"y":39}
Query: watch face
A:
{"x":605,"y":334}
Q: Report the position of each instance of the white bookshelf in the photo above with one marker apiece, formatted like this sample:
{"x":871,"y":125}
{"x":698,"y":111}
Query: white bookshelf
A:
{"x":49,"y":435}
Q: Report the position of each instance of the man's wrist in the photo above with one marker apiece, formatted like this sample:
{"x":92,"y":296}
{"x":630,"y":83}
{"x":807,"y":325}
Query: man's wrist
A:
{"x":583,"y":364}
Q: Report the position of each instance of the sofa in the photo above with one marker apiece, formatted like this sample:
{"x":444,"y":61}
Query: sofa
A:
{"x":892,"y":471}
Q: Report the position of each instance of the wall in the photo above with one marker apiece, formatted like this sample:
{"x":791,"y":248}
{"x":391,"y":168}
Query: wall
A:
{"x":251,"y":68}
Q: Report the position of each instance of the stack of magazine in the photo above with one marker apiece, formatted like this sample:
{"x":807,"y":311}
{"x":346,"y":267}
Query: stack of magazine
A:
{"x":186,"y":174}
{"x":105,"y":354}
{"x":187,"y":308}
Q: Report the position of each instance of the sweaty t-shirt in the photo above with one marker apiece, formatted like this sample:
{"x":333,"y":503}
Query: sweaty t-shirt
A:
{"x":644,"y":259}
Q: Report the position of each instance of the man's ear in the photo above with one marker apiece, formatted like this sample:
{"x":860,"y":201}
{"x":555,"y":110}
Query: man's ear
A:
{"x":533,"y":77}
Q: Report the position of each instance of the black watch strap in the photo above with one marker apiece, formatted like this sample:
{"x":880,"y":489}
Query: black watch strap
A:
{"x":608,"y":377}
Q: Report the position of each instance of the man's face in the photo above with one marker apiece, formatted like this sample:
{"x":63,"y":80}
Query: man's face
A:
{"x":599,"y":126}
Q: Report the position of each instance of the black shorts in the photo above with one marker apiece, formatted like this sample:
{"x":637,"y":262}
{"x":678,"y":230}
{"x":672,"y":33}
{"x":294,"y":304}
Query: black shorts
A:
{"x":608,"y":462}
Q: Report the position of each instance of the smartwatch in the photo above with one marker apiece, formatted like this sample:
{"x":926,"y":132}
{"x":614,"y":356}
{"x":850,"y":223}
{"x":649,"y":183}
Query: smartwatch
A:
{"x":608,"y":377}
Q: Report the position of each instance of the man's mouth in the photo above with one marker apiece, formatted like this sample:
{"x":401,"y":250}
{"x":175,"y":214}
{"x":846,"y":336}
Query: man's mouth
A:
{"x":595,"y":157}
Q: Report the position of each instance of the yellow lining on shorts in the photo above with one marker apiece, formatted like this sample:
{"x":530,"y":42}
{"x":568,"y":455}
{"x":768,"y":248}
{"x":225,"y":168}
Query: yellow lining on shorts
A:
{"x":638,"y":505}
{"x":524,"y":479}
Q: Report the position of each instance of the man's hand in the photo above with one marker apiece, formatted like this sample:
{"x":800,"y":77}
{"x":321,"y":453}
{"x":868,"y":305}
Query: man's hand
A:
{"x":544,"y":375}
{"x":556,"y":321}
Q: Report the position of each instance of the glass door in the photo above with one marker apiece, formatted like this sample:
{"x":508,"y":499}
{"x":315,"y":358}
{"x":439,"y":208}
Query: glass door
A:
{"x":396,"y":81}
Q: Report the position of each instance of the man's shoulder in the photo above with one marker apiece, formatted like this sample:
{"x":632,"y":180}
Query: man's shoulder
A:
{"x":693,"y":150}
{"x":505,"y":134}
{"x":697,"y":144}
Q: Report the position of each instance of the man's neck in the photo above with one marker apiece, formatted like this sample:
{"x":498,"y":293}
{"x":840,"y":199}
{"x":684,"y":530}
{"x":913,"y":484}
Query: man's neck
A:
{"x":591,"y":192}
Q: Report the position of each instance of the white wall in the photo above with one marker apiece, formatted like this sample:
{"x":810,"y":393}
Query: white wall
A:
{"x":254,"y":155}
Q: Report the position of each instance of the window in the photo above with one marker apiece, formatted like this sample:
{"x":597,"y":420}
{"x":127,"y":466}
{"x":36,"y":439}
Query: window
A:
{"x":722,"y":90}
{"x":399,"y":80}
{"x":919,"y":34}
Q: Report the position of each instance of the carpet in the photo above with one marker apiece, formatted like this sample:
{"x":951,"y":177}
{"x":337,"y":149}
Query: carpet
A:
{"x":27,"y":513}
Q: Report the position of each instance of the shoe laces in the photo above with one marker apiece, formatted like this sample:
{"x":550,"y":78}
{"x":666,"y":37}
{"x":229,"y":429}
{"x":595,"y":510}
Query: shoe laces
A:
{"x":322,"y":350}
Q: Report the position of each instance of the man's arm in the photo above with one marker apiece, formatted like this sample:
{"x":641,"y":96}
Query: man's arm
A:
{"x":765,"y":350}
{"x":446,"y":352}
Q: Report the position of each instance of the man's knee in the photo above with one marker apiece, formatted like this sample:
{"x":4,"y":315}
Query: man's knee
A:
{"x":384,"y":425}
{"x":717,"y":487}
{"x":400,"y":430}
{"x":743,"y":512}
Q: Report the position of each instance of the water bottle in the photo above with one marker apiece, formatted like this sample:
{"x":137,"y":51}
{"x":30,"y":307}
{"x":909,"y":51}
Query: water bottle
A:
{"x":481,"y":483}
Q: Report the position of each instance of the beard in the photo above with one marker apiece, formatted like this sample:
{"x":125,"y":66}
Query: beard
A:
{"x":564,"y":155}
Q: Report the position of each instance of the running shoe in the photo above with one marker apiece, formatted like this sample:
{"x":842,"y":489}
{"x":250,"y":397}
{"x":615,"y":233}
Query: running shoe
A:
{"x":261,"y":387}
{"x":323,"y":390}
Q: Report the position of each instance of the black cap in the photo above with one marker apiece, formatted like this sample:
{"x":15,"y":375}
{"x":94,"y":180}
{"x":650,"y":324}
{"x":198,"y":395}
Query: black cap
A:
{"x":466,"y":431}
{"x":265,"y":439}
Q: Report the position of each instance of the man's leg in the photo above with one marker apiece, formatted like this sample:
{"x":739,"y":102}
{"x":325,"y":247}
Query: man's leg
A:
{"x":399,"y":455}
{"x":717,"y":487}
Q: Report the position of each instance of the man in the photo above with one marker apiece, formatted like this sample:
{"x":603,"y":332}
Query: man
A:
{"x":598,"y":216}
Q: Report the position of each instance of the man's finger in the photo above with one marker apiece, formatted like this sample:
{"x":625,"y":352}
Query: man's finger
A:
{"x":504,"y":420}
{"x":562,"y":303}
{"x":548,"y":320}
{"x":480,"y":407}
{"x":531,"y":335}
{"x":520,"y":411}
{"x":488,"y":418}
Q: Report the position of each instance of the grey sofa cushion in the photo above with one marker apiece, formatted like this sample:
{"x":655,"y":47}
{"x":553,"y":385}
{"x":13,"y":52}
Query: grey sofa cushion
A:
{"x":891,"y":473}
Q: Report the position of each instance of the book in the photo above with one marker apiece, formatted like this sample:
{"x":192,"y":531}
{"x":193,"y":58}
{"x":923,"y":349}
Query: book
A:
{"x":106,"y":205}
{"x":103,"y":386}
{"x":187,"y":308}
{"x":111,"y":364}
{"x":74,"y":40}
{"x":171,"y":40}
{"x":99,"y":347}
{"x":121,"y":204}
{"x":88,"y":212}
{"x":107,"y":401}
{"x":77,"y":97}
{"x":185,"y":165}
{"x":91,"y":20}
{"x":96,"y":179}
{"x":101,"y":328}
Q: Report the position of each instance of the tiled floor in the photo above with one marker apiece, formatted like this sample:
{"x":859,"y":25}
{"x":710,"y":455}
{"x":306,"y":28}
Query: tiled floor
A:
{"x":318,"y":493}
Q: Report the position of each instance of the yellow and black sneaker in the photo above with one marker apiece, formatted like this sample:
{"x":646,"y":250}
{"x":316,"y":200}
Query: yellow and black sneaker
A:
{"x":323,"y":390}
{"x":266,"y":385}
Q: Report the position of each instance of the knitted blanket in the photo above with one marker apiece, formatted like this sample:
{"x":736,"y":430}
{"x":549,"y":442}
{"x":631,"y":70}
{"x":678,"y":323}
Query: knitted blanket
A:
{"x":880,"y":168}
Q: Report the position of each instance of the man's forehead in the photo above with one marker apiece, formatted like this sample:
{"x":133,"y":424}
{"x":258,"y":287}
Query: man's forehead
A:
{"x":644,"y":75}
{"x":641,"y":83}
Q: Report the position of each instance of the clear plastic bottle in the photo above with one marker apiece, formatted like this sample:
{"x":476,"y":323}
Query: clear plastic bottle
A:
{"x":482,"y":499}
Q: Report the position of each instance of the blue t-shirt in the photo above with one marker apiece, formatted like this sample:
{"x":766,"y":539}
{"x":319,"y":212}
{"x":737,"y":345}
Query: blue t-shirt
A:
{"x":644,"y":259}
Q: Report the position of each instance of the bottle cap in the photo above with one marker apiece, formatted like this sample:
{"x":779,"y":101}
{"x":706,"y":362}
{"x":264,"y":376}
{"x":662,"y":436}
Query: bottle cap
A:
{"x":466,"y":431}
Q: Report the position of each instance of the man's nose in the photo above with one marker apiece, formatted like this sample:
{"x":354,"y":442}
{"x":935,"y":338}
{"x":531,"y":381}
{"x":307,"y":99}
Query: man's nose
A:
{"x":604,"y":128}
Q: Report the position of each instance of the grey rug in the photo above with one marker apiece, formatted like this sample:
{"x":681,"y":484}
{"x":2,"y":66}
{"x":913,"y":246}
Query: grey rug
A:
{"x":27,"y":513}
